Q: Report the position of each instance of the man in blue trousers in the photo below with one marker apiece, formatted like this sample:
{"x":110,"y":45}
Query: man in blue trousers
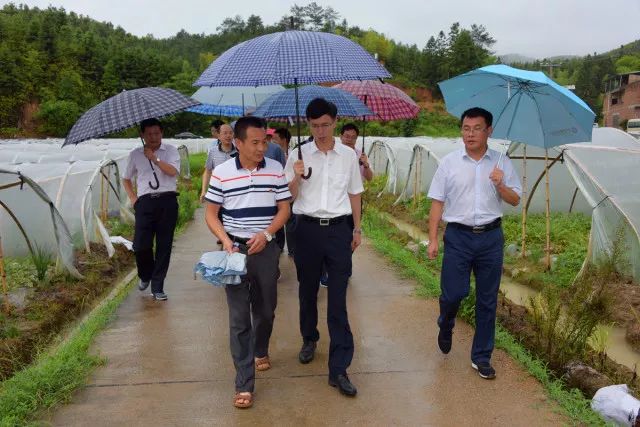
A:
{"x":467,"y":192}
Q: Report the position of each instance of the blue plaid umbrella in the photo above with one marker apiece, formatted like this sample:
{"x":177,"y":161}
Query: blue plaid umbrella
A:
{"x":283,"y":104}
{"x":217,"y":110}
{"x":127,"y":109}
{"x":292,"y":57}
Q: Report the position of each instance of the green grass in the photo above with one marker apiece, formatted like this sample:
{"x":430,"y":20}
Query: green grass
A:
{"x":53,"y":378}
{"x":389,"y":241}
{"x":569,"y":242}
{"x":21,"y":273}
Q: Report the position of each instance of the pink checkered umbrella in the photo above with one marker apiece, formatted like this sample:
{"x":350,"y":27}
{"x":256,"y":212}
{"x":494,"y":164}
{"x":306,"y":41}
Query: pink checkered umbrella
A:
{"x":384,"y":99}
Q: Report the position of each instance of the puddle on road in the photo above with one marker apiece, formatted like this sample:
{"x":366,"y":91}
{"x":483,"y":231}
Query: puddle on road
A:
{"x":618,"y":349}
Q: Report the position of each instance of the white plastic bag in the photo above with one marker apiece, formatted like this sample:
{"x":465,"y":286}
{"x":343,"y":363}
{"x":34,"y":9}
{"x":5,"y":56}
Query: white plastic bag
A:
{"x":614,"y":403}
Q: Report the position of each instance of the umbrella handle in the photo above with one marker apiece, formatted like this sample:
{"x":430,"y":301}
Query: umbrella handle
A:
{"x":157,"y":184}
{"x":308,"y":175}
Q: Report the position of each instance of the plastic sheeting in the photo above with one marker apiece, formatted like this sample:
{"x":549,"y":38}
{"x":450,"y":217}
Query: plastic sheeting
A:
{"x":21,"y":204}
{"x":597,"y":178}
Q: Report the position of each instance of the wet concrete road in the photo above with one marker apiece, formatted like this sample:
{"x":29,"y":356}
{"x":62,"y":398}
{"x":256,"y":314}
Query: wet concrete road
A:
{"x":168,"y":364}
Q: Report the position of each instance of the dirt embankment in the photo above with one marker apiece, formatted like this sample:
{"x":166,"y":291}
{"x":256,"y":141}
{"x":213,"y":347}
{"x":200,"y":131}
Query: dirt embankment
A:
{"x":53,"y":305}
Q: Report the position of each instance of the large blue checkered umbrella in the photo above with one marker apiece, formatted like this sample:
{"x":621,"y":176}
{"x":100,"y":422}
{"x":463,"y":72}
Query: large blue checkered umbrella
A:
{"x":127,"y":109}
{"x":292,"y":57}
{"x":283,"y":104}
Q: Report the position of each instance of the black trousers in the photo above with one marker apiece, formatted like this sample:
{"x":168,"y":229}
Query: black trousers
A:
{"x":252,"y":306}
{"x":156,"y":218}
{"x":329,"y":245}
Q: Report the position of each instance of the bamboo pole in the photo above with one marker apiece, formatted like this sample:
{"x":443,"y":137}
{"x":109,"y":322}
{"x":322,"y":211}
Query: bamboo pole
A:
{"x":3,"y":276}
{"x":415,"y":180}
{"x":102,"y":196}
{"x":547,"y":262}
{"x":523,"y":251}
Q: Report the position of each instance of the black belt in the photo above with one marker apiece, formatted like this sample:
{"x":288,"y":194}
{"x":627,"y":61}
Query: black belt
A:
{"x":325,"y":221}
{"x":160,"y":194}
{"x":477,"y":228}
{"x":242,"y":241}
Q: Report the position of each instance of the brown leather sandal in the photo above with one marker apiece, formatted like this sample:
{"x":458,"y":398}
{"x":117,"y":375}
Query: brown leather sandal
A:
{"x":263,"y":363}
{"x":243,"y":399}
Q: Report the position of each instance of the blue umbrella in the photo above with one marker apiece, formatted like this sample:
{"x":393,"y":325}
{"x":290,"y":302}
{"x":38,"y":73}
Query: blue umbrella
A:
{"x":127,"y":109}
{"x":527,"y":106}
{"x":292,"y":57}
{"x":283,"y":104}
{"x":231,"y":100}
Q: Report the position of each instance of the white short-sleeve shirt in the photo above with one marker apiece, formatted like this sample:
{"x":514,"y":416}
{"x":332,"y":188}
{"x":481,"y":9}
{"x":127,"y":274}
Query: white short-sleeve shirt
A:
{"x":138,"y":166}
{"x":464,"y":186}
{"x":335,"y":175}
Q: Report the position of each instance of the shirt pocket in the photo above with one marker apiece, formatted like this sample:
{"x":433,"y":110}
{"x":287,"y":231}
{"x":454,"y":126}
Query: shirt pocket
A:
{"x":340,"y":181}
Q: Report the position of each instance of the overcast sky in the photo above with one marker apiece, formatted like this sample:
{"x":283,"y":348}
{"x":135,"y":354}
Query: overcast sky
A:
{"x":538,"y":29}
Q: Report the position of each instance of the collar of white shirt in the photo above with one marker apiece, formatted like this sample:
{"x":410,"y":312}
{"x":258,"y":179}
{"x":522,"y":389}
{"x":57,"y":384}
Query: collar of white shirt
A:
{"x":488,"y":154}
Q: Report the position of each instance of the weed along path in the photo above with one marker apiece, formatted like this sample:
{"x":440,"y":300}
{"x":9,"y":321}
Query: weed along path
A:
{"x":168,"y":364}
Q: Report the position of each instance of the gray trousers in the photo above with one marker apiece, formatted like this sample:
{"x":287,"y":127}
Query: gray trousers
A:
{"x":252,"y":306}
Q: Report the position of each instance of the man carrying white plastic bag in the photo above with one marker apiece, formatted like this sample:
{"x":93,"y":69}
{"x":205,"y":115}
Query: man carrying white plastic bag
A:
{"x":253,"y":195}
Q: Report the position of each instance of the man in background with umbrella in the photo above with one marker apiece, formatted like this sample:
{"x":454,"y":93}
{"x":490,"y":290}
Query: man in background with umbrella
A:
{"x":349,"y":135}
{"x":323,"y":204}
{"x":155,"y":204}
{"x":470,"y":185}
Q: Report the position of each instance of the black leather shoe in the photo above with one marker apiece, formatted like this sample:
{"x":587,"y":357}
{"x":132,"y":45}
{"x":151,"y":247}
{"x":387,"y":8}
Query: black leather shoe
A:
{"x":485,"y":370}
{"x":343,"y":384}
{"x":444,"y":341}
{"x":307,"y":352}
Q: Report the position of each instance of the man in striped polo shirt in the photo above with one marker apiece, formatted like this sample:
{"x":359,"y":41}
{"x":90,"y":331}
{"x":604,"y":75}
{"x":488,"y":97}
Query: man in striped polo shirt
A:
{"x":253,"y":195}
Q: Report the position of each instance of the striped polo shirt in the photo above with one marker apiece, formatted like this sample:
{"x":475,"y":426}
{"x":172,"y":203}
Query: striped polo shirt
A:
{"x":248,"y":198}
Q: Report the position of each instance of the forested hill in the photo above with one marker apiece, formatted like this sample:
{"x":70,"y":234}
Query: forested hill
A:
{"x":56,"y":64}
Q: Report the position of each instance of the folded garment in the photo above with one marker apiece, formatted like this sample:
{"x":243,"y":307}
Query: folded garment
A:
{"x":220,"y":268}
{"x":121,"y":240}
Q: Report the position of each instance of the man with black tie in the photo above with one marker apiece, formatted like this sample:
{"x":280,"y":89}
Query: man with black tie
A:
{"x":324,"y":203}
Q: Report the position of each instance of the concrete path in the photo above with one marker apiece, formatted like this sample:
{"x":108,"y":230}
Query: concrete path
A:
{"x":168,"y":364}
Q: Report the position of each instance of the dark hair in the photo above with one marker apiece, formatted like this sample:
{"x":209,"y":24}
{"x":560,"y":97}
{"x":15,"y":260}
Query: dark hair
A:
{"x":318,"y":107}
{"x":284,"y":134}
{"x":243,"y":123}
{"x":149,"y":123}
{"x":217,"y":123}
{"x":350,"y":126}
{"x":478,"y":112}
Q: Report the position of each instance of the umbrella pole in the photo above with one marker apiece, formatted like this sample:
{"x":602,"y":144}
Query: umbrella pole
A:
{"x":295,"y":82}
{"x":523,"y":251}
{"x":297,"y":117}
{"x":3,"y":276}
{"x":547,"y":249}
{"x":364,"y":124}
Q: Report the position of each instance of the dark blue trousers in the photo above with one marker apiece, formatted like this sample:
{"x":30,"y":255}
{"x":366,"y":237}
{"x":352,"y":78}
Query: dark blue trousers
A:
{"x":329,"y":245}
{"x":482,"y":254}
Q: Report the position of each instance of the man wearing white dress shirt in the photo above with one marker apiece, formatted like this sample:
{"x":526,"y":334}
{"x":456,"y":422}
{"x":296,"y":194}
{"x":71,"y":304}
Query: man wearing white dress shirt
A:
{"x":470,"y":185}
{"x":323,"y":205}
